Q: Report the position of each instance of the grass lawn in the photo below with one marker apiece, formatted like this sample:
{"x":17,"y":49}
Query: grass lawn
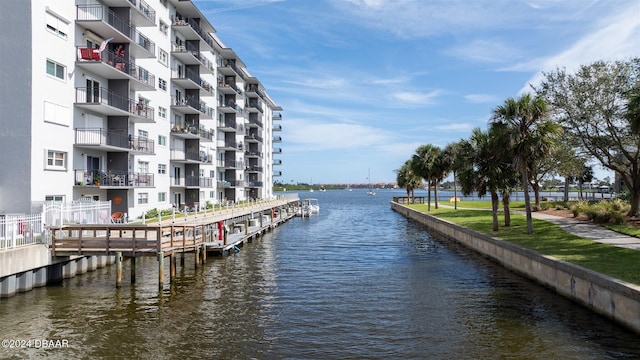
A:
{"x":548,"y":239}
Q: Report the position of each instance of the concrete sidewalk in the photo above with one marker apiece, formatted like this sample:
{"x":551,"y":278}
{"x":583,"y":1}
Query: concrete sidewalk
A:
{"x":590,"y":231}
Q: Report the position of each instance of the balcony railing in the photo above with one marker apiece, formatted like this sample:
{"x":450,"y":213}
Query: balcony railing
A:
{"x":256,"y":105}
{"x":106,"y":15}
{"x":145,"y":9}
{"x":191,"y":155}
{"x":99,"y":136}
{"x":192,"y":129}
{"x":124,"y":64}
{"x":195,"y":53}
{"x":193,"y":76}
{"x":227,"y":123}
{"x":203,"y":182}
{"x":254,"y":184}
{"x":194,"y":103}
{"x":277,"y":139}
{"x":195,"y":26}
{"x":277,"y":161}
{"x":277,"y":116}
{"x":277,"y":127}
{"x":112,"y":178}
{"x":254,"y":137}
{"x":105,"y":96}
{"x":256,"y":121}
{"x":253,"y":153}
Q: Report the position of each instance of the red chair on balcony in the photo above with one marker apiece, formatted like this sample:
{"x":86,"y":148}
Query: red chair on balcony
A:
{"x":90,"y":54}
{"x":117,"y":217}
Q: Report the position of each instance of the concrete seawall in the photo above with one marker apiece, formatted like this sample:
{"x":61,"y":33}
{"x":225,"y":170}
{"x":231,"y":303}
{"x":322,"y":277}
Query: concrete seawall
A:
{"x":608,"y":296}
{"x":32,"y":266}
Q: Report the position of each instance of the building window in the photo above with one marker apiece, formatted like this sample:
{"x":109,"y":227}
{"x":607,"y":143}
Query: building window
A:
{"x":162,"y":140}
{"x":164,"y":28}
{"x":212,"y":194}
{"x":162,"y":169}
{"x":143,"y":134}
{"x":162,"y":112}
{"x":54,"y":198}
{"x":162,"y":197}
{"x":143,"y":167}
{"x":57,"y":25}
{"x":143,"y":198}
{"x":56,"y":160}
{"x":163,"y":57}
{"x":55,"y":69}
{"x":162,"y":84}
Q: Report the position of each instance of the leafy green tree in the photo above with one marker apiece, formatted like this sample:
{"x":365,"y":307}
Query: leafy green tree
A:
{"x":529,"y":134}
{"x":599,"y":108}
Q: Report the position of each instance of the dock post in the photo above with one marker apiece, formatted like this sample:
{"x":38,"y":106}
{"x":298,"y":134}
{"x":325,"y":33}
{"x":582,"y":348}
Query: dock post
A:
{"x":172,"y":267}
{"x":204,"y":254}
{"x":246,"y":226}
{"x":160,"y":269}
{"x":133,"y":270}
{"x":182,"y":259}
{"x":196,"y":251}
{"x":118,"y":270}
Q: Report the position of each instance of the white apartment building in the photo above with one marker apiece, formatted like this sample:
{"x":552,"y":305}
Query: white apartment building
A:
{"x":164,"y":115}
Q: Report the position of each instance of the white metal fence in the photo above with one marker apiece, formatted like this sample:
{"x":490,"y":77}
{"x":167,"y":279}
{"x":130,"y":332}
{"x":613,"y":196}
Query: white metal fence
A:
{"x":21,"y":229}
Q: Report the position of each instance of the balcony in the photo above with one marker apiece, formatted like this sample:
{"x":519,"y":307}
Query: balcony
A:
{"x":192,"y":57}
{"x":231,"y":183}
{"x":254,"y":169}
{"x":228,"y":67}
{"x":254,"y":184}
{"x":191,"y":156}
{"x":106,"y":64}
{"x":102,"y":20}
{"x":113,"y":140}
{"x":253,"y":154}
{"x":191,"y":105}
{"x":141,"y":13}
{"x":191,"y":30}
{"x":227,"y":125}
{"x":198,"y":182}
{"x":228,"y":85}
{"x":277,"y":127}
{"x":107,"y":102}
{"x":190,"y":79}
{"x":187,"y":131}
{"x":277,"y":150}
{"x":277,"y":117}
{"x":253,"y":138}
{"x":112,"y":179}
{"x":230,"y":107}
{"x":277,"y":173}
{"x":254,"y":106}
{"x":229,"y":164}
{"x":277,"y":139}
{"x":277,"y":162}
{"x":254,"y":89}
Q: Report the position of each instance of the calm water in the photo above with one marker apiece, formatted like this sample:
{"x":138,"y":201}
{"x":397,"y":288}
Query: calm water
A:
{"x":357,"y":281}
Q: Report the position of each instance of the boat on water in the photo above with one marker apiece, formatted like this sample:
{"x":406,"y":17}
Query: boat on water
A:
{"x":370,"y":189}
{"x":308,"y":207}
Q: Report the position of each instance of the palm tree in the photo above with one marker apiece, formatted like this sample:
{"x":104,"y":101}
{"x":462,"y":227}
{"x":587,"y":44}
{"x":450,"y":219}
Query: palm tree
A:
{"x":422,"y":164}
{"x":452,"y":153}
{"x":408,"y":180}
{"x":586,"y":176}
{"x":480,"y":169}
{"x":531,"y":137}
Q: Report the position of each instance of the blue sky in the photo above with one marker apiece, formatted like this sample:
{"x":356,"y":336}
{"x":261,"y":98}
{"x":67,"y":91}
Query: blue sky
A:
{"x":363,"y":83}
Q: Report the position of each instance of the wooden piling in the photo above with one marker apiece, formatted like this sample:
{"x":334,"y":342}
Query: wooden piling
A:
{"x":172,"y":267}
{"x":160,"y":270}
{"x":133,"y":270}
{"x":118,"y":270}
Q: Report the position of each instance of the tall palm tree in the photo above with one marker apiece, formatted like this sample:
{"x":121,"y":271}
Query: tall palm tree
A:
{"x":526,"y":121}
{"x":452,"y":153}
{"x":480,"y":169}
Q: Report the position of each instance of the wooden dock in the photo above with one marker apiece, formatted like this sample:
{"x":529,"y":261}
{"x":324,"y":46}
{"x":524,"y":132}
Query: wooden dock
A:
{"x":220,"y":233}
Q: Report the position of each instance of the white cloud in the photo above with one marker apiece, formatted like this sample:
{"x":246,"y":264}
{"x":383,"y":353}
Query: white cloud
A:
{"x":486,"y":51}
{"x":617,"y":37}
{"x":316,"y":136}
{"x":417,"y":98}
{"x":481,"y":98}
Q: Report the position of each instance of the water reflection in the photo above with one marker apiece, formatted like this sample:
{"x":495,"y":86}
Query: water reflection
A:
{"x":357,"y":281}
